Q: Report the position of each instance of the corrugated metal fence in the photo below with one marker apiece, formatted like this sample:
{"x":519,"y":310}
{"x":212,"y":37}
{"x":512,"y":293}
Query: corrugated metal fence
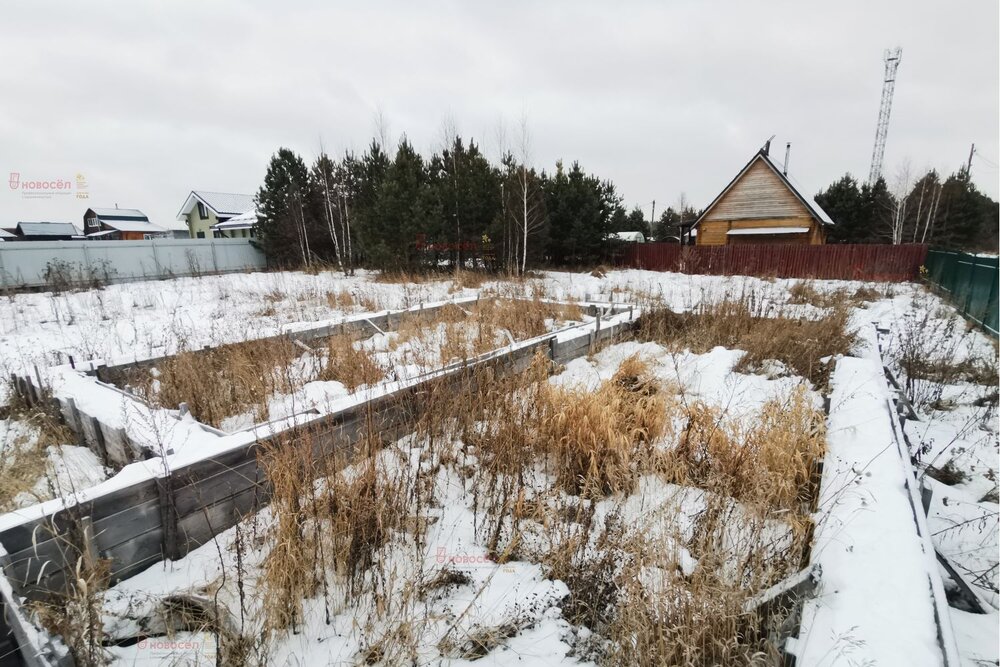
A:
{"x":969,"y":282}
{"x":833,"y":262}
{"x":65,"y":263}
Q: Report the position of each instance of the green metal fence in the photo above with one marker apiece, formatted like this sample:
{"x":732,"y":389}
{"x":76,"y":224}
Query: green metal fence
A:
{"x":970,"y":283}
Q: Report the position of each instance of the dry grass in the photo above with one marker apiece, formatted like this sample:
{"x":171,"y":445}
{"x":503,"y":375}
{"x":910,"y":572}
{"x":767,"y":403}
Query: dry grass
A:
{"x":625,"y":581}
{"x":936,"y":350}
{"x":402,"y":277}
{"x":76,"y":615}
{"x":289,"y":570}
{"x":349,"y":365}
{"x":362,"y":512}
{"x":221,"y":382}
{"x":341,"y":300}
{"x":767,"y":462}
{"x":600,"y":441}
{"x":23,"y":460}
{"x":242,"y":378}
{"x":762,"y":330}
{"x":326,"y":521}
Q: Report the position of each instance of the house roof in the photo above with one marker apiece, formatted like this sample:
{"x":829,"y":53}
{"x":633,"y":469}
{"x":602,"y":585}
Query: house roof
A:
{"x":223,"y":204}
{"x":134,"y":226}
{"x":244,"y":221}
{"x":47,"y":229}
{"x":794,"y":187}
{"x":105,"y":214}
{"x":174,"y":225}
{"x":4,"y":234}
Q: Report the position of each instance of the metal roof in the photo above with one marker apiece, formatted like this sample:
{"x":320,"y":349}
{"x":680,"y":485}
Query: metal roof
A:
{"x":134,"y":226}
{"x":224,"y":204}
{"x":47,"y":229}
{"x":815,"y":209}
{"x":4,"y":234}
{"x":119,"y":214}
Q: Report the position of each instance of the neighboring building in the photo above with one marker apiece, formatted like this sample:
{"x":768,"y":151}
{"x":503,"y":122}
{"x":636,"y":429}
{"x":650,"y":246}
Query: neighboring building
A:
{"x":44,"y":231}
{"x":176,"y":229}
{"x":239,"y":227}
{"x":629,"y":237}
{"x":203,"y":211}
{"x":762,"y":205}
{"x":7,"y":236}
{"x":120,"y":224}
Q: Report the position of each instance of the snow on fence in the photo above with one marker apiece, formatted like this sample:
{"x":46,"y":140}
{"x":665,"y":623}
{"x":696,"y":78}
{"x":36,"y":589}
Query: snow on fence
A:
{"x":168,"y":506}
{"x":890,"y":263}
{"x":66,"y":263}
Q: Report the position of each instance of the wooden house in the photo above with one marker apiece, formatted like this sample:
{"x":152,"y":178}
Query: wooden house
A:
{"x":120,"y":224}
{"x":218,"y":215}
{"x":762,"y":205}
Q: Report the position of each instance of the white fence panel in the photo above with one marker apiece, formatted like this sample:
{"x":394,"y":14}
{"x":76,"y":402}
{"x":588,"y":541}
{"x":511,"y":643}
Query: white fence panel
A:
{"x":45,"y":263}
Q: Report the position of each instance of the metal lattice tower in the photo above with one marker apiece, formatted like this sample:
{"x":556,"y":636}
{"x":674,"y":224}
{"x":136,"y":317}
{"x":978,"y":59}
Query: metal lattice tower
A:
{"x":892,"y":58}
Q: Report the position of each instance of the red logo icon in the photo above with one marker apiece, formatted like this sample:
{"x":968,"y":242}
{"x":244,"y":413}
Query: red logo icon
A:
{"x":15,"y":180}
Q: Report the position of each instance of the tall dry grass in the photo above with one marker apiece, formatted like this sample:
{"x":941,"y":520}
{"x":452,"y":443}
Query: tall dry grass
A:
{"x":220,"y":382}
{"x":764,"y":330}
{"x":350,"y":365}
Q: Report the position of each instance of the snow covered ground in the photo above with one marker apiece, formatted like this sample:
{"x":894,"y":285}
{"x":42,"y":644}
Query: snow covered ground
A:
{"x":483,"y":597}
{"x":957,"y":431}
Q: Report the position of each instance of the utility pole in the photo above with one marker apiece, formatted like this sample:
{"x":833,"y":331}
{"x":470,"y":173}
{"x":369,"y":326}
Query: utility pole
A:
{"x":892,"y":59}
{"x":968,"y":166}
{"x":652,"y":218}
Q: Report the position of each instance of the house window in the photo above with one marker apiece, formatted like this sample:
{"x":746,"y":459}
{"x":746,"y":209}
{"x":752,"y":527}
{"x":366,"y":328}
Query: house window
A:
{"x":92,"y":223}
{"x":201,"y":235}
{"x":202,"y":213}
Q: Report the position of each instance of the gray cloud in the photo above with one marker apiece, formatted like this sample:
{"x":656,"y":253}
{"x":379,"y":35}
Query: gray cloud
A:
{"x":150,"y":101}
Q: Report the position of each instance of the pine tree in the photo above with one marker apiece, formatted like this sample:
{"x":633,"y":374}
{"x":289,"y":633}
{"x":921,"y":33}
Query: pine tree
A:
{"x":580,"y":208}
{"x":467,"y":194}
{"x":286,"y":210}
{"x":843,"y":202}
{"x":403,"y":209}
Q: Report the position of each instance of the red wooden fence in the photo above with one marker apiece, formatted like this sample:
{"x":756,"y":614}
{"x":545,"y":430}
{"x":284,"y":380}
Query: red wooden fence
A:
{"x":889,"y":263}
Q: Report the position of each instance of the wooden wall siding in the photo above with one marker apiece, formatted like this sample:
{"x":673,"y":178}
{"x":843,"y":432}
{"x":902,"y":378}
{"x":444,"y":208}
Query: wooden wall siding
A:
{"x":714,"y":232}
{"x":153,"y":519}
{"x":773,"y":239}
{"x":758,"y":194}
{"x":834,"y":262}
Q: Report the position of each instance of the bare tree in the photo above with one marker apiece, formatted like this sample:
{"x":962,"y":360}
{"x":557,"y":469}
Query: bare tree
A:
{"x":297,"y":207}
{"x":449,"y":139}
{"x":531,"y":218}
{"x":382,"y":132}
{"x":931,"y":213}
{"x":325,"y":175}
{"x":900,"y":195}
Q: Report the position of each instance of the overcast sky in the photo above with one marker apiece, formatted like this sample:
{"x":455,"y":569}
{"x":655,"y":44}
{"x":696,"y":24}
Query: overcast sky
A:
{"x":149,"y":102}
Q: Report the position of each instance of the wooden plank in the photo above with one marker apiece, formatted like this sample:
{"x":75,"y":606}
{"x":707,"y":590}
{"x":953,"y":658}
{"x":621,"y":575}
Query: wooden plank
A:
{"x":21,"y":537}
{"x":125,"y":525}
{"x":209,"y":490}
{"x":135,"y":555}
{"x":200,"y":527}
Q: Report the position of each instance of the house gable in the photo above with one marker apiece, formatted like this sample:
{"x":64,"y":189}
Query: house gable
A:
{"x":757,"y":193}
